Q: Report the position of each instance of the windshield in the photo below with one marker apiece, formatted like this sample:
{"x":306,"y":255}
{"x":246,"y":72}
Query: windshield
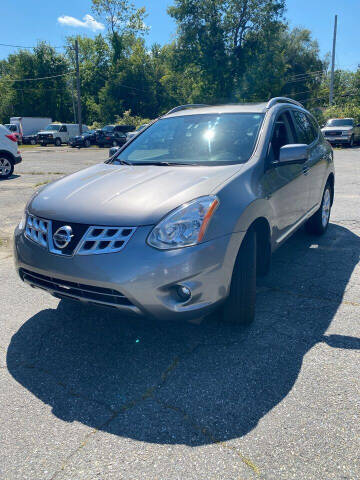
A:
{"x":210,"y":139}
{"x":108,"y":128}
{"x":339,"y":122}
{"x":53,"y":127}
{"x":11,"y":127}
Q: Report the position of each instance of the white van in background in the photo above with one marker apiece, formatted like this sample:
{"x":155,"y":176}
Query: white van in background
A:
{"x":58,"y":133}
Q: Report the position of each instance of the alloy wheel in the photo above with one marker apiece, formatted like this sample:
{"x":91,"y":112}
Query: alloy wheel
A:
{"x":5,"y":167}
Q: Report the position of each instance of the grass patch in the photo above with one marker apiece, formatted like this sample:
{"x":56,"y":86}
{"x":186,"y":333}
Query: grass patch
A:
{"x":42,"y":183}
{"x":45,"y":173}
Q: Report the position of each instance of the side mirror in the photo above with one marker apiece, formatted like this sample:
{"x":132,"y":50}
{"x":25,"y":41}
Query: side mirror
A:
{"x":291,"y":154}
{"x":112,"y":151}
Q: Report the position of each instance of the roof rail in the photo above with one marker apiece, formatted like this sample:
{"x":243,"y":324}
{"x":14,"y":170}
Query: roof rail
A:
{"x":184,"y":107}
{"x":276,"y":100}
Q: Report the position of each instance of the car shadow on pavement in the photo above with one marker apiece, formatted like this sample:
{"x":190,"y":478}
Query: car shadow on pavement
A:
{"x":193,"y":384}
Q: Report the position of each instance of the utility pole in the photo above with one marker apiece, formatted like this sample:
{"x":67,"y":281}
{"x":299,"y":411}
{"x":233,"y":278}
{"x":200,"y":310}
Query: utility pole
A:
{"x":331,"y":97}
{"x":71,"y":82}
{"x":78,"y":85}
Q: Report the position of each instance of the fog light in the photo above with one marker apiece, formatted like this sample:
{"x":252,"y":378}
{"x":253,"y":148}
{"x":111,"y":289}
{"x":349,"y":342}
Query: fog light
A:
{"x":184,"y":292}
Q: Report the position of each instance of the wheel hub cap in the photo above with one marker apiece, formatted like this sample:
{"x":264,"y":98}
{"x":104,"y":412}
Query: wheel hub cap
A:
{"x":5,"y":167}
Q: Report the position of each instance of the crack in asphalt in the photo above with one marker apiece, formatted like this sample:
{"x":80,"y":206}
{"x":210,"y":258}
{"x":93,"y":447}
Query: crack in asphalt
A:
{"x":148,"y":393}
{"x":209,"y":435}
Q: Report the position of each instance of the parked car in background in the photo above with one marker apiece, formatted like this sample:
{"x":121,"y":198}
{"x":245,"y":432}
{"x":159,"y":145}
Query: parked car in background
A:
{"x":344,"y":131}
{"x":9,"y":152}
{"x":28,"y":127}
{"x":184,"y":217}
{"x":58,"y":133}
{"x":138,"y":130}
{"x":29,"y":139}
{"x":113,"y":135}
{"x":85,"y":140}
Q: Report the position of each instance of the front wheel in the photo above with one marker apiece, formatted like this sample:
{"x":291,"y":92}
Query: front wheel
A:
{"x":352,"y":142}
{"x":57,"y":142}
{"x":33,"y":141}
{"x":318,"y":223}
{"x":239,"y":307}
{"x":114,"y":143}
{"x":6,"y":167}
{"x":87,"y":143}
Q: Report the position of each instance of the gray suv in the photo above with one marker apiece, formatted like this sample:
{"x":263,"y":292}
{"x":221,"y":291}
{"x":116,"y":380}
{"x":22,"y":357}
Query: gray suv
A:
{"x":182,"y":219}
{"x":342,"y":131}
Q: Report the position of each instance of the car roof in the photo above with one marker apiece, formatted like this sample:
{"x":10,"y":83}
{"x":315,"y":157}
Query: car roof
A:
{"x":219,"y":109}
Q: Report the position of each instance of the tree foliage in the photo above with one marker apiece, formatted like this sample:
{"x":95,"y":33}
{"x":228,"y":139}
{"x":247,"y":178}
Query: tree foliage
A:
{"x":223,"y":51}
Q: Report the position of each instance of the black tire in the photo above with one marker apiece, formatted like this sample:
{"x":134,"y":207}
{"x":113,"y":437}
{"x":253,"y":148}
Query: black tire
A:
{"x":316,"y":224}
{"x":32,"y":141}
{"x":239,"y":307}
{"x":352,"y":142}
{"x":114,"y":143}
{"x":87,"y":143}
{"x":57,"y":142}
{"x":6,"y":166}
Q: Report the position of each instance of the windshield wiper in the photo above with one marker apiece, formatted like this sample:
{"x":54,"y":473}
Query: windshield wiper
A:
{"x":166,"y":164}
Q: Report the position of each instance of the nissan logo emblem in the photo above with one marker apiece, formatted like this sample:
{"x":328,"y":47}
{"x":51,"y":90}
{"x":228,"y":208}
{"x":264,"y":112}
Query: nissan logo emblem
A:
{"x":62,"y":237}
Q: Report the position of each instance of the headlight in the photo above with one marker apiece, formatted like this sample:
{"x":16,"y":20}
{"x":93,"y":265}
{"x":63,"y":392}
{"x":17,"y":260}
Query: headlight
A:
{"x":184,"y":226}
{"x":347,"y":133}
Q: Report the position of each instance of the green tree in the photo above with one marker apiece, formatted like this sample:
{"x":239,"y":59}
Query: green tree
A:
{"x":41,"y":97}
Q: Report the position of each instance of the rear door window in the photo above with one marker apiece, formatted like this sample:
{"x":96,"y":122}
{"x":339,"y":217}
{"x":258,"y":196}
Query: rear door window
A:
{"x":305,"y":131}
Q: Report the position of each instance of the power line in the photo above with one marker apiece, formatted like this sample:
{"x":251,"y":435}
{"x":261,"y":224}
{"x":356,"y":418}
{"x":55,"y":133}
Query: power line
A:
{"x":23,"y":46}
{"x":37,"y":78}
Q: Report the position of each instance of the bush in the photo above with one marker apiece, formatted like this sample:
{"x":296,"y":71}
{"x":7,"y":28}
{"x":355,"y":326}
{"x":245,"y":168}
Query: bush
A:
{"x":342,"y":111}
{"x":128,"y":119}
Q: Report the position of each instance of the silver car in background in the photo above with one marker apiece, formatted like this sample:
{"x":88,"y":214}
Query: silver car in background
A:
{"x":342,"y":131}
{"x":185,"y":216}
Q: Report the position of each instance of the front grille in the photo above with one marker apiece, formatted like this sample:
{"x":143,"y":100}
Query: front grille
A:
{"x":79,"y":291}
{"x":105,"y":240}
{"x":37,"y":230}
{"x":43,"y":136}
{"x":85,"y":239}
{"x":333,"y":133}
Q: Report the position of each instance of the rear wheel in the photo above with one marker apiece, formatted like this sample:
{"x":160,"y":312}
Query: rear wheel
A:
{"x":32,"y":141}
{"x":239,"y":307}
{"x":114,"y":143}
{"x":6,"y":167}
{"x":319,"y":222}
{"x":87,"y":143}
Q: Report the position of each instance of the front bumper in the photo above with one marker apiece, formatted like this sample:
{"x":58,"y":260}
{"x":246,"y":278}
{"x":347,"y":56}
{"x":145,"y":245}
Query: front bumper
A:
{"x":46,"y":140}
{"x":338,"y":139}
{"x":146,"y":277}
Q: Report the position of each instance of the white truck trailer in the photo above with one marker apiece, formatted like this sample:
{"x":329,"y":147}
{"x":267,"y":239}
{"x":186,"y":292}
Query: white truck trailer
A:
{"x":28,"y":127}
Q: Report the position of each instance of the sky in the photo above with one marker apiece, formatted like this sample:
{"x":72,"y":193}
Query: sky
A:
{"x":24,"y":22}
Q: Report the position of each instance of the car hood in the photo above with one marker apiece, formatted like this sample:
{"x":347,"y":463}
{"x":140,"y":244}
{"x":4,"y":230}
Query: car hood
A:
{"x":343,"y":128}
{"x":48,"y":131}
{"x":126,"y":195}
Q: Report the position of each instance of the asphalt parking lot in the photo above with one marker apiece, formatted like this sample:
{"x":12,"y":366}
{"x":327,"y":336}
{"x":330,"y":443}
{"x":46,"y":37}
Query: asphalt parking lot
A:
{"x":90,"y":394}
